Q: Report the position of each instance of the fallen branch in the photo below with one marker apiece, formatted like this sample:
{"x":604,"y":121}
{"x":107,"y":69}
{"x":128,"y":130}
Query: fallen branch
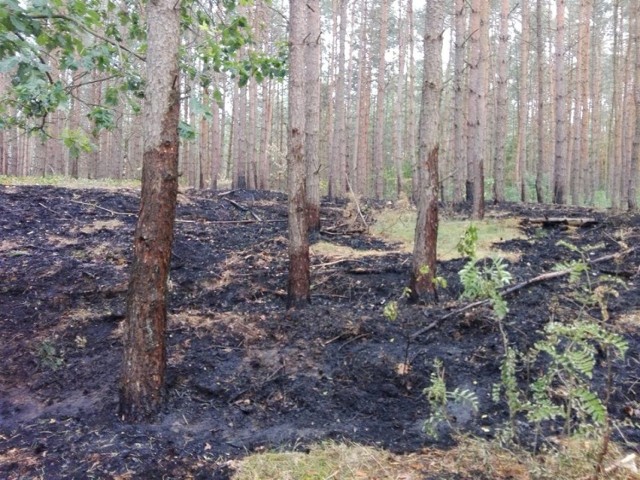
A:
{"x":506,"y":291}
{"x":227,"y":222}
{"x":355,"y":200}
{"x":243,"y":208}
{"x":112,"y":212}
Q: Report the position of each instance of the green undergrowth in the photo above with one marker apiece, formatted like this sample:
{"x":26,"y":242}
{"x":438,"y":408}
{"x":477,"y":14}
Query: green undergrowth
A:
{"x":399,"y":226}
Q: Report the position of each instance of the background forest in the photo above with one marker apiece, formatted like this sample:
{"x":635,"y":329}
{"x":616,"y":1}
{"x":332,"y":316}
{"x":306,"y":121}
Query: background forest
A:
{"x":557,"y":93}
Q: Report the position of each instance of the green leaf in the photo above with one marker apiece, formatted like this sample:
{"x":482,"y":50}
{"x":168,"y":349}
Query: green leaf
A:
{"x":186,"y":131}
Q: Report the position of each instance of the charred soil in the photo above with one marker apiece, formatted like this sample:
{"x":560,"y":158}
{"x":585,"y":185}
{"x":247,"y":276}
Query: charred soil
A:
{"x":244,"y":374}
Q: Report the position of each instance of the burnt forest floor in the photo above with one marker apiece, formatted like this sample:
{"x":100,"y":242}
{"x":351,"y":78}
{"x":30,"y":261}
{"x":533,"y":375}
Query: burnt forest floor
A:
{"x":244,"y":374}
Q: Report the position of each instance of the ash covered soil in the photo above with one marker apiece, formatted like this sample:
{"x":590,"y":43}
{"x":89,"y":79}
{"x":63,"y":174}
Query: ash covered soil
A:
{"x":244,"y":374}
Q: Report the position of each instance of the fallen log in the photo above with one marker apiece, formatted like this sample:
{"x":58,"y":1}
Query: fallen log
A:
{"x":519,"y":286}
{"x":568,"y":221}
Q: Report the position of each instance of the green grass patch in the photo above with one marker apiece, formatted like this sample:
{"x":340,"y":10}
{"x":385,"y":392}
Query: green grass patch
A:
{"x":399,"y":226}
{"x":327,"y":460}
{"x":572,"y":459}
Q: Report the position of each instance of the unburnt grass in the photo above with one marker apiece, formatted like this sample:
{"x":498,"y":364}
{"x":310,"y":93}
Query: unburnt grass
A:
{"x":244,"y":374}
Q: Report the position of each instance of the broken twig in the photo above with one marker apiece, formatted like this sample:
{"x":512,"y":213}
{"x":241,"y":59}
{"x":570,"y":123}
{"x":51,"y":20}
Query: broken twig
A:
{"x":506,"y":291}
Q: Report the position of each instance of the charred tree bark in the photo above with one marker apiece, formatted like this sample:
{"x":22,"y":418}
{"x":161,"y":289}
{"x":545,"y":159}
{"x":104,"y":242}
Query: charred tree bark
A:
{"x":299,"y":276}
{"x":143,"y":375}
{"x":423,"y":266}
{"x":312,"y":138}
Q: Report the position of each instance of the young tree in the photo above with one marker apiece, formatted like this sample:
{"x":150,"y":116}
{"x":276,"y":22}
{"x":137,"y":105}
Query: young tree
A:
{"x":423,"y":266}
{"x":144,"y":362}
{"x":299,"y":288}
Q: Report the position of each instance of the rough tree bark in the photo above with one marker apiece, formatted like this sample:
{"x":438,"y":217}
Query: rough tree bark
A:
{"x":540,"y":101}
{"x":312,"y":137}
{"x":459,"y":131}
{"x":143,"y":375}
{"x":398,"y":146}
{"x":378,"y":150}
{"x":423,"y":266}
{"x":502,"y":107}
{"x":476,"y":126}
{"x":299,"y":288}
{"x":560,"y":170}
{"x":635,"y":162}
{"x":523,"y":101}
{"x":337,"y":172}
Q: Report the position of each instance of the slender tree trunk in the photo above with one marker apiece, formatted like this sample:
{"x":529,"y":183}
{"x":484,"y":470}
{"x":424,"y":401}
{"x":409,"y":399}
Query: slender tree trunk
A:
{"x":312,"y":58}
{"x":632,"y":203}
{"x":299,"y":277}
{"x":476,"y":113}
{"x":613,"y":153}
{"x":411,"y":106}
{"x":398,"y":145}
{"x":459,"y":128}
{"x":523,"y":102}
{"x":540,"y":101}
{"x":267,"y":107}
{"x":560,"y":168}
{"x":423,"y":266}
{"x":143,"y":376}
{"x":337,"y":181}
{"x":360,"y":151}
{"x":216,"y":144}
{"x":502,"y":97}
{"x":378,"y":149}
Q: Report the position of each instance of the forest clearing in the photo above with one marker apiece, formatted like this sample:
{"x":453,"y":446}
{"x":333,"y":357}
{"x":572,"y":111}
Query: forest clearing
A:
{"x":246,"y":375}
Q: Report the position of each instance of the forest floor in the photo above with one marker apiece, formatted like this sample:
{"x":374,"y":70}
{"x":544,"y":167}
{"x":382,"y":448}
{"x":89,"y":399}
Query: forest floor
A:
{"x":244,"y":374}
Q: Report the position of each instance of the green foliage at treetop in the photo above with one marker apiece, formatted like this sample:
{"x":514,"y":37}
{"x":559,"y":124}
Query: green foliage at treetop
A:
{"x":49,"y":48}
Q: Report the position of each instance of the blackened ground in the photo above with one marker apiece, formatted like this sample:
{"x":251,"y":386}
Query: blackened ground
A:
{"x":244,"y":374}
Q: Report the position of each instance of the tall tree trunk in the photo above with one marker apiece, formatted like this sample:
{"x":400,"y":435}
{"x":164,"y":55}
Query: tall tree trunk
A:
{"x":267,"y":107}
{"x":459,"y":127}
{"x":410,"y":141}
{"x":475,"y":121}
{"x":299,"y":276}
{"x":312,"y":58}
{"x":378,"y":148}
{"x":635,"y":155}
{"x":361,"y":153}
{"x":252,"y":135}
{"x":423,"y":266}
{"x":398,"y":145}
{"x":502,"y":97}
{"x":560,"y":159}
{"x":540,"y":101}
{"x":337,"y":181}
{"x":613,"y":151}
{"x":215,"y":139}
{"x":523,"y":102}
{"x":143,"y":376}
